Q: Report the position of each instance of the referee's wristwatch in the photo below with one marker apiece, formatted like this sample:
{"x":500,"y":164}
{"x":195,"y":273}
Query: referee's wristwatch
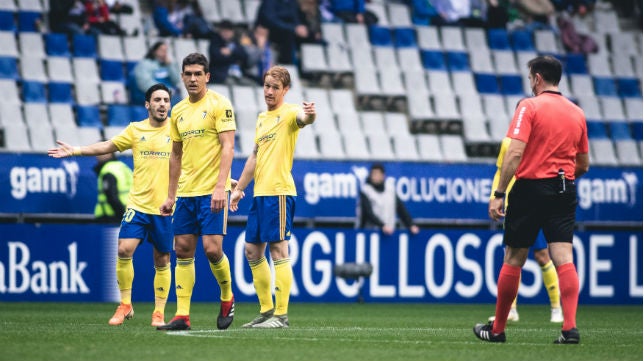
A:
{"x":498,"y":194}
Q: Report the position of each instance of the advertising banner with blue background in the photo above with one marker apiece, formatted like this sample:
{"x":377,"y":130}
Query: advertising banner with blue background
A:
{"x":32,"y":183}
{"x":77,"y":263}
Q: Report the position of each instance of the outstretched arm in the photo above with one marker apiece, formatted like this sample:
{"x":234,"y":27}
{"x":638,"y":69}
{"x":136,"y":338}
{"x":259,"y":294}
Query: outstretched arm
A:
{"x":66,"y":150}
{"x":307,"y":115}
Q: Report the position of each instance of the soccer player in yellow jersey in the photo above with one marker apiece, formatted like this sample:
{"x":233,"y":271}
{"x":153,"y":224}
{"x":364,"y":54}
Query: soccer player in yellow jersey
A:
{"x":270,"y":218}
{"x":202,"y":128}
{"x":149,"y":140}
{"x":540,"y":251}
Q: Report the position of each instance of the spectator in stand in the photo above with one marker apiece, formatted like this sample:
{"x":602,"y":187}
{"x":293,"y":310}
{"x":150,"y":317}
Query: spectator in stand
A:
{"x":258,"y":52}
{"x":227,"y":57}
{"x":459,"y":12}
{"x":180,"y":18}
{"x":310,"y":16}
{"x":350,"y":11}
{"x":98,"y":16}
{"x":282,"y":19}
{"x":379,"y":205}
{"x":156,"y":67}
{"x":68,"y":17}
{"x":581,"y":7}
{"x":119,"y":7}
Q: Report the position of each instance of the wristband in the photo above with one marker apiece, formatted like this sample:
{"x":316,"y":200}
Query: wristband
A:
{"x":77,"y":151}
{"x":498,"y":194}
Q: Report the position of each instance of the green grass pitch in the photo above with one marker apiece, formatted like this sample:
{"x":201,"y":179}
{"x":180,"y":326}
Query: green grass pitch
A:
{"x":392,"y":332}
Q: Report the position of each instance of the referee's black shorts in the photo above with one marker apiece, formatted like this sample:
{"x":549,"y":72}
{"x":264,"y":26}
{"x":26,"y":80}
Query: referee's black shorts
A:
{"x":535,"y":204}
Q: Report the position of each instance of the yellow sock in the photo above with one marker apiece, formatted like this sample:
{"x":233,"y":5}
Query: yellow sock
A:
{"x":283,"y":281}
{"x":125,"y":277}
{"x":221,"y":271}
{"x":162,"y":279}
{"x":184,"y":277}
{"x":551,"y":281}
{"x":262,"y":282}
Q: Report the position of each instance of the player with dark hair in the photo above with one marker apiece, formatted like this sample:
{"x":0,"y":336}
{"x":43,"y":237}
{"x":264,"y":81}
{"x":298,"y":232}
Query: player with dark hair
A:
{"x":548,"y":150}
{"x":202,"y":129}
{"x":142,"y":219}
{"x":270,"y":219}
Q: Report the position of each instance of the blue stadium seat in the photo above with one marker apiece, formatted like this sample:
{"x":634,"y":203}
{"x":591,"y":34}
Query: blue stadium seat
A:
{"x":28,"y":21}
{"x":522,"y":40}
{"x":119,"y":115}
{"x":620,"y":131}
{"x":33,"y":92}
{"x":636,"y":130}
{"x":88,"y":116}
{"x":84,"y":46}
{"x":575,"y":64}
{"x":511,"y":84}
{"x":629,"y":87}
{"x":138,"y":112}
{"x":486,"y":83}
{"x":596,"y":130}
{"x":60,"y":93}
{"x":605,"y":86}
{"x":458,"y":61}
{"x":112,"y":70}
{"x":498,"y":39}
{"x":405,"y":38}
{"x":7,"y":21}
{"x":56,"y":44}
{"x":433,"y":60}
{"x":380,"y":36}
{"x":9,"y":68}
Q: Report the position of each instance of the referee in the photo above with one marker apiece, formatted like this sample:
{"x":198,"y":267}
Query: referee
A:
{"x":547,"y":152}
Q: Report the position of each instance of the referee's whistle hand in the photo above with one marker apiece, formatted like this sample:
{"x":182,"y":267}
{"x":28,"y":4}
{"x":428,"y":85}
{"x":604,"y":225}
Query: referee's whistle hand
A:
{"x":495,"y":209}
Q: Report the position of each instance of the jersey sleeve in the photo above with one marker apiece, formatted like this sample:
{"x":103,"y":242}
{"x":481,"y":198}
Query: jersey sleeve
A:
{"x":521,"y":125}
{"x":293,"y":112}
{"x":582,"y":146}
{"x":124,"y":140}
{"x":224,"y":116}
{"x":174,"y":132}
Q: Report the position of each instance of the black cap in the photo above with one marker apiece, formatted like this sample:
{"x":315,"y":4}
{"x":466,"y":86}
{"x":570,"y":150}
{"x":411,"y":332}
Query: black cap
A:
{"x":226,"y":24}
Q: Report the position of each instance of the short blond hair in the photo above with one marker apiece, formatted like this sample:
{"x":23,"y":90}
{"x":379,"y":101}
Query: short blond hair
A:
{"x":280,"y":73}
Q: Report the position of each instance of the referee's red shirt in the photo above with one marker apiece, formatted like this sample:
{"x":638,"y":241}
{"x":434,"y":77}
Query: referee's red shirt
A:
{"x":554,"y":129}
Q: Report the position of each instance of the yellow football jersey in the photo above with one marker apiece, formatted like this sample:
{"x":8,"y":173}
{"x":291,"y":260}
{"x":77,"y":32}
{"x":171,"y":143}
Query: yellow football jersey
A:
{"x":151,"y":147}
{"x":276,"y":133}
{"x":198,"y":125}
{"x":499,"y":162}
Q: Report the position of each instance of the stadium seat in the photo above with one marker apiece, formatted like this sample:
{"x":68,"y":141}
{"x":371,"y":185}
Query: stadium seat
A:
{"x":88,"y":116}
{"x":380,"y":146}
{"x":619,"y":131}
{"x":612,"y":109}
{"x":452,"y":38}
{"x":32,"y":68}
{"x":603,"y":152}
{"x":633,"y":107}
{"x":34,"y":92}
{"x":29,"y":21}
{"x":399,"y":15}
{"x":84,"y":46}
{"x":183,"y":47}
{"x":475,"y":40}
{"x":110,"y":47}
{"x":118,"y":115}
{"x":56,"y":44}
{"x":331,"y":146}
{"x":378,"y":9}
{"x":405,"y":147}
{"x":453,"y":148}
{"x":9,"y":68}
{"x":590,"y":105}
{"x":112,"y":70}
{"x":138,"y":112}
{"x":355,"y":146}
{"x":87,"y":93}
{"x":9,"y":91}
{"x":463,"y":82}
{"x":61,"y":115}
{"x":380,"y":36}
{"x":16,"y":137}
{"x":622,"y":66}
{"x":396,"y":124}
{"x":405,"y":37}
{"x":232,"y":10}
{"x":306,"y":146}
{"x":598,"y":65}
{"x":505,"y":62}
{"x":445,"y":106}
{"x":429,"y":147}
{"x":59,"y":69}
{"x":629,"y":87}
{"x":636,"y":130}
{"x":433,"y":60}
{"x":498,"y":39}
{"x":244,"y":97}
{"x":581,"y":84}
{"x":134,"y":48}
{"x":60,"y":93}
{"x":415,"y":81}
{"x":522,"y":40}
{"x":9,"y":46}
{"x":385,"y":59}
{"x":511,"y":84}
{"x":410,"y":57}
{"x":357,"y":36}
{"x":372,"y":122}
{"x":486,"y":83}
{"x":85,"y":70}
{"x":605,"y":86}
{"x":7,"y":21}
{"x":31,"y":44}
{"x":458,"y":61}
{"x":483,"y":62}
{"x":439,"y":82}
{"x":428,"y":38}
{"x":210,"y":10}
{"x":575,"y":64}
{"x":313,"y":59}
{"x":596,"y":130}
{"x":474,"y":128}
{"x":627,"y":152}
{"x":113,"y":92}
{"x":333,"y":33}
